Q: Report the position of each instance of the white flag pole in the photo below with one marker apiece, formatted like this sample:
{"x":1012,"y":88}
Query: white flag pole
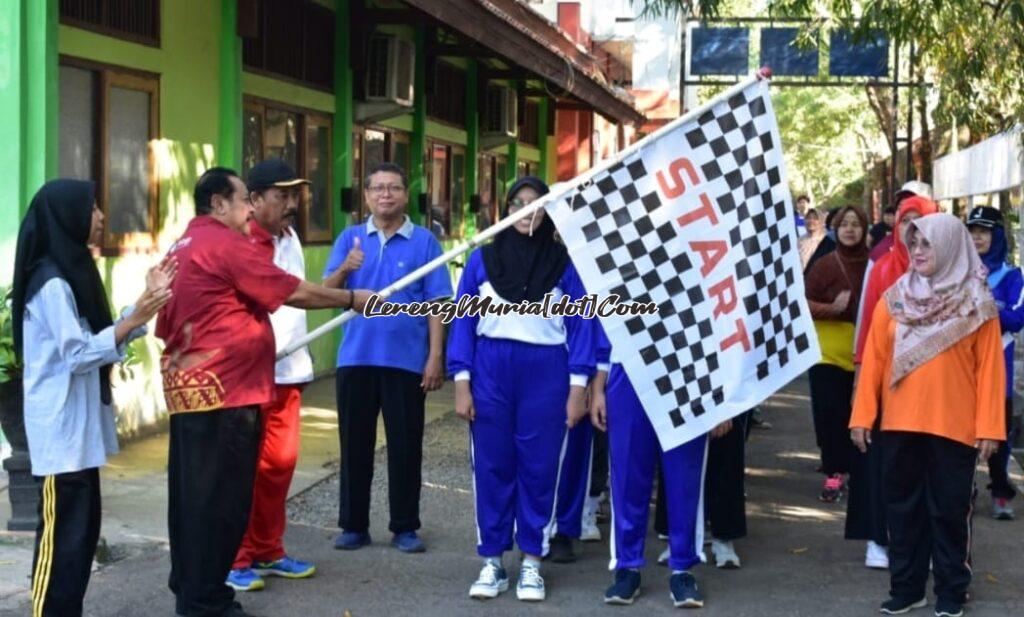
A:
{"x":512,"y":219}
{"x":424,"y":270}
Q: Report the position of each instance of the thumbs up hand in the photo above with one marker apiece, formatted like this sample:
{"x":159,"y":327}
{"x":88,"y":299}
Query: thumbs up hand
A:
{"x":354,"y":259}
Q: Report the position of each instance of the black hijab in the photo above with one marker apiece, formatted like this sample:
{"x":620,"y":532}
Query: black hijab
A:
{"x":525,"y":267}
{"x":53,"y":243}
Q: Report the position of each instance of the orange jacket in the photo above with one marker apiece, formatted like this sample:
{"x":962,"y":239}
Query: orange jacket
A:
{"x":959,"y":394}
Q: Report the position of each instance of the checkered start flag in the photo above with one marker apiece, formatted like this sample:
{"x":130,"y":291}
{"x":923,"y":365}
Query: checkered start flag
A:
{"x":697,"y":219}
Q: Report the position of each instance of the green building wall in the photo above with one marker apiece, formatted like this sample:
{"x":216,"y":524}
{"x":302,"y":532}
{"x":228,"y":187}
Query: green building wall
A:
{"x":191,"y":63}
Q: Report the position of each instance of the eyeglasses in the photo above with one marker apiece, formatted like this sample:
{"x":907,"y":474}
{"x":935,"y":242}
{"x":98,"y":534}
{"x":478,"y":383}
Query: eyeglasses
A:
{"x":380,"y":189}
{"x":518,"y":203}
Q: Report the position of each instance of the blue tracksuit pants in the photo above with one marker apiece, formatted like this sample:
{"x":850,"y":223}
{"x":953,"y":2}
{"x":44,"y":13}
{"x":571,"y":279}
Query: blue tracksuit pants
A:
{"x":574,"y":484}
{"x":633,"y":453}
{"x":517,"y":442}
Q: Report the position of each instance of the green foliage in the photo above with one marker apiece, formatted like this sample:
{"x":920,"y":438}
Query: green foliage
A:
{"x":971,"y":51}
{"x":829,"y":138}
{"x":126,"y":367}
{"x":10,"y":367}
{"x":666,"y":8}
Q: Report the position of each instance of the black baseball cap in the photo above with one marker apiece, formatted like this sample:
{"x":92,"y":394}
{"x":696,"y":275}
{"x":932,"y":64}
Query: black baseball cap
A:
{"x":272,"y":172}
{"x":985,"y":216}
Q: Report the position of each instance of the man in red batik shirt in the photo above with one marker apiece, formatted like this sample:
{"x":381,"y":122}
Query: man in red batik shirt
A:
{"x":218,"y":369}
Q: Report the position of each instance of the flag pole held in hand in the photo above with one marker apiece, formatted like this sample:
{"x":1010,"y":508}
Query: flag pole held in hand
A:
{"x":557,"y":191}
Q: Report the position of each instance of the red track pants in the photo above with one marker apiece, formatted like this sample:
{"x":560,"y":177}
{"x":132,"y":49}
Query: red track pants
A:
{"x":279,"y":449}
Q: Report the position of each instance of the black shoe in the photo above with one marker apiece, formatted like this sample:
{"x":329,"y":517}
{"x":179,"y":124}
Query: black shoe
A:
{"x":757,"y":420}
{"x":235,"y":610}
{"x":948,"y":608}
{"x":899,"y":606}
{"x":626,"y":587}
{"x":683,"y":587}
{"x":560,"y":549}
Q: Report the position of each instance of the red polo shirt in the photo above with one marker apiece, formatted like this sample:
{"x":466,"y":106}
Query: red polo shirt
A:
{"x":219,"y":345}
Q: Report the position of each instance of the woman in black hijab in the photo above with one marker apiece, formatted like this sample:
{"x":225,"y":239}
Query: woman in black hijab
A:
{"x":67,"y":340}
{"x":519,"y":381}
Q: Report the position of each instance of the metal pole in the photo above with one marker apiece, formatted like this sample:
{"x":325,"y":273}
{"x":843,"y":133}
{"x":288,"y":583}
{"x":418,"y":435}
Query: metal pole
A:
{"x":895,"y":121}
{"x":910,"y":118}
{"x":682,"y":65}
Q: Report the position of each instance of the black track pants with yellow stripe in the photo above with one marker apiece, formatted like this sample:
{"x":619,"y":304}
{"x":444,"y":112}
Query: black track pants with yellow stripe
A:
{"x":66,"y":537}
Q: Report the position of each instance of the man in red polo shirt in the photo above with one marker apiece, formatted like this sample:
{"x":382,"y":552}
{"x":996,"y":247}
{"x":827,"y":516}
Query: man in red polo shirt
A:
{"x":218,"y":368}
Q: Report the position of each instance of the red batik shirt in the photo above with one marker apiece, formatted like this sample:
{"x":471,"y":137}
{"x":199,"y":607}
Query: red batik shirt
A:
{"x":219,"y":345}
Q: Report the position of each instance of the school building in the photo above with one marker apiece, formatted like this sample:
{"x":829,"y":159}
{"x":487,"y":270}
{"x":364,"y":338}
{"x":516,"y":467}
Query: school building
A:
{"x":142,"y":96}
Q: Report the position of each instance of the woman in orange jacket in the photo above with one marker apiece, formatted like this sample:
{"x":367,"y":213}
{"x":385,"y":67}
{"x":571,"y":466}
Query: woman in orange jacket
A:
{"x":933,"y":363}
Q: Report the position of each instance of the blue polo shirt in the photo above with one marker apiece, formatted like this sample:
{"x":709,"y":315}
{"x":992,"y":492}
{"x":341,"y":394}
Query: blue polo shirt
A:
{"x":398,"y":341}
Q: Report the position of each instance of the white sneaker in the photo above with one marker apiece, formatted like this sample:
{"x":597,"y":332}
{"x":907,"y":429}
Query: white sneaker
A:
{"x":663,"y":557}
{"x":588,"y":530}
{"x":877,"y":556}
{"x":1001,"y":509}
{"x":530,"y":587}
{"x":492,"y":581}
{"x":725,"y":555}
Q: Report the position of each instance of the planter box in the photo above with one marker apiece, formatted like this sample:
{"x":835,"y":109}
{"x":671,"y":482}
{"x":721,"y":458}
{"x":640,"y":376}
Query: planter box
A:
{"x":22,"y":488}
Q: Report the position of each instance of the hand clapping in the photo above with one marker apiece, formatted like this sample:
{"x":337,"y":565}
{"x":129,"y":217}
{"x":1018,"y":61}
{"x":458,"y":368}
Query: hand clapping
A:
{"x":158,"y":290}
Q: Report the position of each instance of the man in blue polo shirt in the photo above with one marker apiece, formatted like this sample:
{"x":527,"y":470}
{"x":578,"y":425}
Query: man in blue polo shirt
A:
{"x":386,"y":364}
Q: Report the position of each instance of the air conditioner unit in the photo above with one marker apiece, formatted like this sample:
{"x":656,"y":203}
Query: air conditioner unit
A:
{"x":500,"y":121}
{"x":390,"y":70}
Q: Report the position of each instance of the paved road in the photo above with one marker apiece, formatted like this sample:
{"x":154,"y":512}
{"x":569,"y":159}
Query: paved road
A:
{"x":794,"y":561}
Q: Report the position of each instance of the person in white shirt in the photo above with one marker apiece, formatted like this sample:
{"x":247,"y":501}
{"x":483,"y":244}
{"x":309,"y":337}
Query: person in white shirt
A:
{"x":275,"y":191}
{"x":67,"y":341}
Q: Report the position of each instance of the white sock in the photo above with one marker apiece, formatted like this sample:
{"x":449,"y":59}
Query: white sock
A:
{"x":494,"y":560}
{"x":531,"y":561}
{"x":674,"y":572}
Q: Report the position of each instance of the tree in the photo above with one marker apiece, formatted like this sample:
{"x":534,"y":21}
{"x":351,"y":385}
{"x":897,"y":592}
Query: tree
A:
{"x":971,"y":50}
{"x":830,"y":139}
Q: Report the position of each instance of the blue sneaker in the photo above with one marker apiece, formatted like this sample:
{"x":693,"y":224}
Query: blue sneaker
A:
{"x":408,"y":542}
{"x":684,"y":591}
{"x":492,"y":581}
{"x":285,"y":567}
{"x":626,"y":587}
{"x":245,"y":579}
{"x":352,"y":540}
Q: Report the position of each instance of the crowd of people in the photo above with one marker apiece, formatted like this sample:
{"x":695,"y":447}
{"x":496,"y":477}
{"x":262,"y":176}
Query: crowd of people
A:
{"x":915,"y":317}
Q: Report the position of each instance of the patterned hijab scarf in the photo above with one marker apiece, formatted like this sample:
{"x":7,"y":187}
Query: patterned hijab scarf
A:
{"x":934,"y":313}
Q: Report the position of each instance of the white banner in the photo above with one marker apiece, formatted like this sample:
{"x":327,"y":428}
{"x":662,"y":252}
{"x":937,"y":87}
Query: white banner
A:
{"x":697,"y":219}
{"x":994,"y":165}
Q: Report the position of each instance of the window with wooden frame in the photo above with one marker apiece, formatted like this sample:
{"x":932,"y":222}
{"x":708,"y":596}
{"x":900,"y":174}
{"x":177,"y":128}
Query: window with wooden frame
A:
{"x":108,"y":121}
{"x":447,"y":101}
{"x":485,"y":191}
{"x":294,"y":40}
{"x":375,"y":145}
{"x":137,"y":21}
{"x":492,"y":169}
{"x":527,"y":168}
{"x":501,"y":184}
{"x":301,"y":138}
{"x":446,"y":187}
{"x":529,"y":130}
